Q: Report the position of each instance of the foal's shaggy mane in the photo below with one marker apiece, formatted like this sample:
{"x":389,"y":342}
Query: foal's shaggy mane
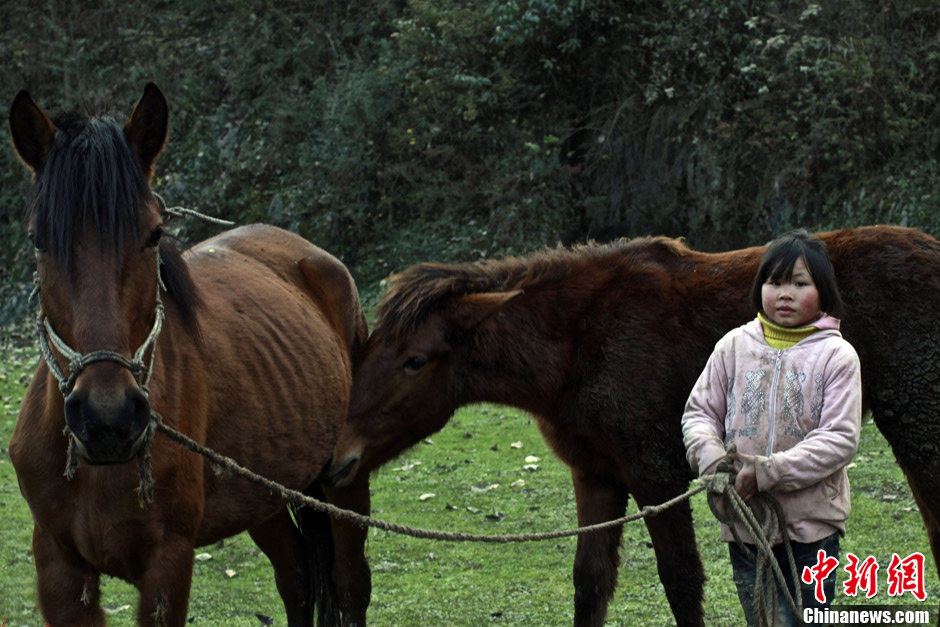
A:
{"x":416,"y":292}
{"x":92,"y":181}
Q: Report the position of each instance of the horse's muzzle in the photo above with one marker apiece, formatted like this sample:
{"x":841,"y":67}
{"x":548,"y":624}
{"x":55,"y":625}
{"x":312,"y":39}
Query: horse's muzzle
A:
{"x":108,"y":430}
{"x":342,"y":472}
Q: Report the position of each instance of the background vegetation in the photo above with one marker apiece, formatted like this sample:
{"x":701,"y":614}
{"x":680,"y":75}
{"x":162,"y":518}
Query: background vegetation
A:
{"x":394,"y":131}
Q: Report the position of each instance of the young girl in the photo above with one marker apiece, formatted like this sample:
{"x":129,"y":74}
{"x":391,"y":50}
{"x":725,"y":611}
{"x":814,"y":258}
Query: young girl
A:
{"x":785,"y":388}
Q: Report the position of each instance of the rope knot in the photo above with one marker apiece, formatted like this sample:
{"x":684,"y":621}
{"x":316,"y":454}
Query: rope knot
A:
{"x":717,"y":483}
{"x":764,"y":519}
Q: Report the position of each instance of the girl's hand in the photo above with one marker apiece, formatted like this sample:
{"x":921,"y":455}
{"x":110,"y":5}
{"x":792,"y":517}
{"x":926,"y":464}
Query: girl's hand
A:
{"x":746,"y":482}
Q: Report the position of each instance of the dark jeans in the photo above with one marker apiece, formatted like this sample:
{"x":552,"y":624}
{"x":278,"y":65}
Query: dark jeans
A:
{"x":745,"y":572}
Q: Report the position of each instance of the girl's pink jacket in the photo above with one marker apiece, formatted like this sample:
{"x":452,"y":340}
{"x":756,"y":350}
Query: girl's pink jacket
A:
{"x":798,"y":410}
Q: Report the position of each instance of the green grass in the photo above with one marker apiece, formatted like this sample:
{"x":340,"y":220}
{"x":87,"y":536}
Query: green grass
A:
{"x":476,"y":471}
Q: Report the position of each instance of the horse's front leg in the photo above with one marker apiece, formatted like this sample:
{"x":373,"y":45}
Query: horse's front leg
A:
{"x":67,"y":586}
{"x":164,"y":586}
{"x":597,"y":557}
{"x":351,"y":574}
{"x":677,"y":557}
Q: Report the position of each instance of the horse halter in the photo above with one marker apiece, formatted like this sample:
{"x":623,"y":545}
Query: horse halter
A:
{"x":139,"y":366}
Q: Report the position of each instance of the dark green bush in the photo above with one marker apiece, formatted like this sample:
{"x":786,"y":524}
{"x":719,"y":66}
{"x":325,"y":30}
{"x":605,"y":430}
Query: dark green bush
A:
{"x":392,"y":131}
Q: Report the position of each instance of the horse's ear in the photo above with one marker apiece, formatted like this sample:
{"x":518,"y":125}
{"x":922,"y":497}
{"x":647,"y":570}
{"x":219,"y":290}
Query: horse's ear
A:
{"x":147,"y":127}
{"x":472,"y":309}
{"x":31,"y":130}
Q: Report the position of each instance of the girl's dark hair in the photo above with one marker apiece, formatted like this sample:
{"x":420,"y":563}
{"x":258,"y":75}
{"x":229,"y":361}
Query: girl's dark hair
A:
{"x":778,"y":262}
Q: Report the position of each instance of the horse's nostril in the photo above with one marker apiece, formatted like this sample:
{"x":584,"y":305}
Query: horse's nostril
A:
{"x":89,"y":417}
{"x":74,"y":407}
{"x":138,"y":406}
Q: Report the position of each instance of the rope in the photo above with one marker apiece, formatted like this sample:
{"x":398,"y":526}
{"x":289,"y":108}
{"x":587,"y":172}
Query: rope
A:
{"x":181,"y":212}
{"x":763,"y":518}
{"x":142,"y":372}
{"x":301,"y":499}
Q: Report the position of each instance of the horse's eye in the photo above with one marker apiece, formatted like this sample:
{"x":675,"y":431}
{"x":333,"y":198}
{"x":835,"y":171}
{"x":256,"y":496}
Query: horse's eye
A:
{"x":414,"y":364}
{"x":38,"y":243}
{"x":154,"y":238}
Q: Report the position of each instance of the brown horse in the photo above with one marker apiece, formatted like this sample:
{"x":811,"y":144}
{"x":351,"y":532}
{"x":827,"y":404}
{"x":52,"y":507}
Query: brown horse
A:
{"x":245,"y":343}
{"x":603,"y":344}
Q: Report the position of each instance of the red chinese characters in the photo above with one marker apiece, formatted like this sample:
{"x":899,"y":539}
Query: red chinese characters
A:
{"x":863,"y":575}
{"x":818,"y":573}
{"x":903,"y":575}
{"x":907,"y":575}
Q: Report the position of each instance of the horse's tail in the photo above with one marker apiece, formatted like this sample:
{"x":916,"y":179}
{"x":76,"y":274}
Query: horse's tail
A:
{"x":317,"y":537}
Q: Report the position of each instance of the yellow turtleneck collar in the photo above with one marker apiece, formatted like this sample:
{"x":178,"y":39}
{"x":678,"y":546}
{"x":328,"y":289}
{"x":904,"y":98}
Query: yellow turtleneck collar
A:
{"x":783,"y":337}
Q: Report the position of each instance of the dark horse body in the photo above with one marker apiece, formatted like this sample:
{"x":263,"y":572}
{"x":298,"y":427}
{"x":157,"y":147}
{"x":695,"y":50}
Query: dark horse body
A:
{"x":254,"y":360}
{"x":603,"y":344}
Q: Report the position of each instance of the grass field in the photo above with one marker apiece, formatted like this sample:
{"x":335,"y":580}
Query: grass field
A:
{"x":477,"y":475}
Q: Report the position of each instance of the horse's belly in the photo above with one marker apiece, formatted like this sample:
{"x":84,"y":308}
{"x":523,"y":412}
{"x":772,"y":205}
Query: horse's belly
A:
{"x":278,"y":416}
{"x":278,"y":378}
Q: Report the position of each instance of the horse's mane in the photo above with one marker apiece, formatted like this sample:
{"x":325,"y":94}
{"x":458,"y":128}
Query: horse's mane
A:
{"x":414,"y":293}
{"x":92,"y":179}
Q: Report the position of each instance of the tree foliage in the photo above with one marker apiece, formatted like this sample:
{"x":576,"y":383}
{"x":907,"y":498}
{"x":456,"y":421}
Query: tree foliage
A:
{"x":394,"y":131}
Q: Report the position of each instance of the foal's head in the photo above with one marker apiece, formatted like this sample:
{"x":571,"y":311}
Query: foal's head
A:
{"x":416,"y":361}
{"x":96,"y":229}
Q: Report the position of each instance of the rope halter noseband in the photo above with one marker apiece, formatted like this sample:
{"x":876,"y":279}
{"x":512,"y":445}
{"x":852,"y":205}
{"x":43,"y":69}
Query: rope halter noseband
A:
{"x":140,"y":367}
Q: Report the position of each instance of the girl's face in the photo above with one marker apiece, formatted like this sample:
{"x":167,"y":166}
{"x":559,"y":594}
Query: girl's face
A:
{"x":794,"y":302}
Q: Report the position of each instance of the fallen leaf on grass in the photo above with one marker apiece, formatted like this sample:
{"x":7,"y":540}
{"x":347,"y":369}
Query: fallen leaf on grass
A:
{"x":230,"y":573}
{"x":407,"y":467}
{"x":203,"y":557}
{"x":516,"y":445}
{"x":517,"y":484}
{"x":531,"y":459}
{"x":115,"y":610}
{"x":426,"y":496}
{"x":531,"y":467}
{"x":483,"y":487}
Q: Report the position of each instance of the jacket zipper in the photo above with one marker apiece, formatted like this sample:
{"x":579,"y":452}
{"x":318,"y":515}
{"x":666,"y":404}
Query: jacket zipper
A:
{"x":773,"y":400}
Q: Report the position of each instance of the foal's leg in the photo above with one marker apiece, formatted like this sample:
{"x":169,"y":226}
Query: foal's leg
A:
{"x":597,"y":556}
{"x":280,"y":540}
{"x":67,"y":587}
{"x":677,"y":558}
{"x":351,"y":574}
